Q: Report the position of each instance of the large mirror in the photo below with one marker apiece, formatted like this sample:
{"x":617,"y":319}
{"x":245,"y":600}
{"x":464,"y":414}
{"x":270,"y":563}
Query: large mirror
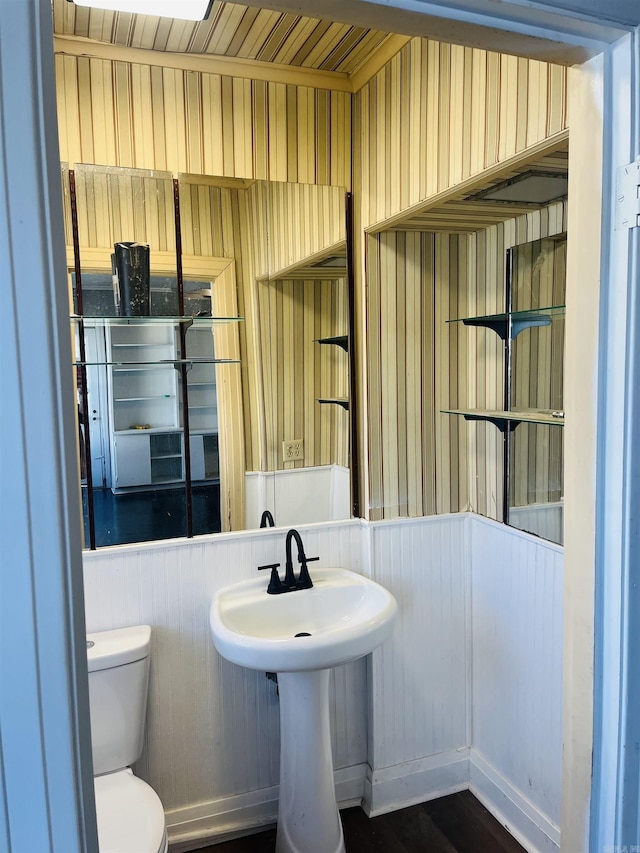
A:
{"x":222,"y":401}
{"x":537,"y":275}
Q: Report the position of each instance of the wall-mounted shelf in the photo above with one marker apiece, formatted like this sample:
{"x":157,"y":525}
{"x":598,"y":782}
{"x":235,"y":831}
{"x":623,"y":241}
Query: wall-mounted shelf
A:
{"x":531,"y":463}
{"x":196,"y":322}
{"x":511,"y":419}
{"x":511,"y":323}
{"x":338,"y":401}
{"x":134,"y":366}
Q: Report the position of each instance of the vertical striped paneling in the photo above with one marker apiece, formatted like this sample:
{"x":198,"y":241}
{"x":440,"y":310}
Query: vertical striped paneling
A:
{"x":148,"y":117}
{"x":283,"y":370}
{"x":434,"y":116}
{"x":437,"y":114}
{"x":115,"y":204}
{"x":533,"y":377}
{"x":224,"y":303}
{"x":298,"y":370}
{"x":421,"y":699}
{"x":303,"y":220}
{"x":421,"y":461}
{"x":212,"y":728}
{"x":230,"y":30}
{"x":401,"y":321}
{"x":517,"y":661}
{"x":537,"y":365}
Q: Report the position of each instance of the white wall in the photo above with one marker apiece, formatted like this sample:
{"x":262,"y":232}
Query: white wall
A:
{"x":298,"y":495}
{"x":467,"y":691}
{"x":212,"y":745}
{"x":516,"y":630}
{"x":421,"y":677}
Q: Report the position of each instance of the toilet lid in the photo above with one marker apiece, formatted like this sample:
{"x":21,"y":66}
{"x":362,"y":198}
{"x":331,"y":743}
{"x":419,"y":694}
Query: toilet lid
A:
{"x":130,"y":814}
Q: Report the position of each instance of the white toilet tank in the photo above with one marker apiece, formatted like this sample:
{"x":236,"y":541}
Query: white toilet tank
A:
{"x":118,"y":680}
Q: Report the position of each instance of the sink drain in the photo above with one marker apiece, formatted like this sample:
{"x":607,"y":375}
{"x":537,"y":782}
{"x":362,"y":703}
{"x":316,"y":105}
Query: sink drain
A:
{"x":302,"y":634}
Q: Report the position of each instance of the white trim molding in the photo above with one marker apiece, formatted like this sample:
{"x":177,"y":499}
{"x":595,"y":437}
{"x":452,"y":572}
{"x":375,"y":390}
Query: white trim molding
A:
{"x":240,"y":815}
{"x":46,"y":780}
{"x":511,"y":808}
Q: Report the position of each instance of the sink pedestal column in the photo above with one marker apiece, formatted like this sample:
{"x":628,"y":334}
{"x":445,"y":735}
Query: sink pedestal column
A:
{"x":308,"y":817}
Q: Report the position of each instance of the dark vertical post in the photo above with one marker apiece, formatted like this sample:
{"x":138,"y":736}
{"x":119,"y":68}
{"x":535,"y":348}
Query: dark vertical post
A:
{"x":508,"y":425}
{"x":83,"y":359}
{"x":354,"y":461}
{"x":182,"y":331}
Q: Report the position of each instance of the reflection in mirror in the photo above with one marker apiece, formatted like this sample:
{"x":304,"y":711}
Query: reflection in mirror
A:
{"x":536,"y":450}
{"x":148,"y":385}
{"x":185,"y":417}
{"x":298,"y":465}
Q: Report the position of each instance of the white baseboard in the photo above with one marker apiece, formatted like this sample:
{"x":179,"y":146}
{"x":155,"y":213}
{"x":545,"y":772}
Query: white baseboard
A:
{"x":416,"y":781}
{"x":231,"y":817}
{"x":528,"y":825}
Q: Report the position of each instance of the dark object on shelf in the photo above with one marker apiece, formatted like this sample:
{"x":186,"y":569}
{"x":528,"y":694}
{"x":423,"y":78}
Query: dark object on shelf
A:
{"x":132,"y":269}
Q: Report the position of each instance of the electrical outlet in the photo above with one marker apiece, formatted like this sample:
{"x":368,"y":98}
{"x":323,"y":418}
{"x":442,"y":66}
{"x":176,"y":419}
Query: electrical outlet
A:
{"x":293,"y":451}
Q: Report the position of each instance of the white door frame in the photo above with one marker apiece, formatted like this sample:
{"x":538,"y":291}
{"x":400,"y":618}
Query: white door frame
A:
{"x":46,"y":791}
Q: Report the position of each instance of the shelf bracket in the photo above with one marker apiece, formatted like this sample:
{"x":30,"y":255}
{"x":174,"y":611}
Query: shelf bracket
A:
{"x":336,"y":401}
{"x":628,"y":196}
{"x":519,"y":324}
{"x":341,"y":341}
{"x":503,"y":424}
{"x":496,"y":324}
{"x":501,"y":325}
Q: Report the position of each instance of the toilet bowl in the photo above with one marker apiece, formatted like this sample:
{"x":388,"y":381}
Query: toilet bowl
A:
{"x":129,"y":813}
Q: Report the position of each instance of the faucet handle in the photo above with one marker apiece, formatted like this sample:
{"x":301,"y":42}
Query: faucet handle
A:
{"x":275,"y":584}
{"x":304,"y":580}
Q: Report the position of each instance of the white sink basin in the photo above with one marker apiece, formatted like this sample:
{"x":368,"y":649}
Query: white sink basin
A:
{"x":346,"y":614}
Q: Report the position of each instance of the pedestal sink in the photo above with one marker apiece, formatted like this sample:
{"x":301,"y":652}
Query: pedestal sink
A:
{"x":301,"y":635}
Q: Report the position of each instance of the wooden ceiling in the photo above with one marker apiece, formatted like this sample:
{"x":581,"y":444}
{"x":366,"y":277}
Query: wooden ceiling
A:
{"x":232,"y":30}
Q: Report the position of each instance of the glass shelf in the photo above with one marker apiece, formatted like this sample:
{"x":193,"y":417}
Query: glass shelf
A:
{"x":197,"y":322}
{"x":159,"y":362}
{"x":514,"y":322}
{"x":504,"y":419}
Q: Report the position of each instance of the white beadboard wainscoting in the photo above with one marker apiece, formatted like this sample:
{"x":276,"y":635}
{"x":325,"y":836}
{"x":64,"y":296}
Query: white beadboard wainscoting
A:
{"x":420,"y":706}
{"x":516,"y":632}
{"x":212,"y":741}
{"x":306,"y":495}
{"x":465,"y":693}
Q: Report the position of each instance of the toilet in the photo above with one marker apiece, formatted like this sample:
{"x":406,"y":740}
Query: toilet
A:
{"x":129,"y":812}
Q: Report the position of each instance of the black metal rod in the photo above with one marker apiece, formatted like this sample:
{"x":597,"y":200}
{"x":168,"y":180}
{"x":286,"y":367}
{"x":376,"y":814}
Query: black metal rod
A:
{"x":183,"y":365}
{"x":508,"y":354}
{"x":353,"y":380}
{"x":83,"y":358}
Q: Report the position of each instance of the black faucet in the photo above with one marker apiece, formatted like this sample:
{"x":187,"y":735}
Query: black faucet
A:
{"x":304,"y":581}
{"x":267,"y":519}
{"x":290,"y":583}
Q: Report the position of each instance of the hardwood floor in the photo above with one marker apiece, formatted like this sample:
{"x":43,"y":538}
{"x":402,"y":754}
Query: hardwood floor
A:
{"x":454,"y":824}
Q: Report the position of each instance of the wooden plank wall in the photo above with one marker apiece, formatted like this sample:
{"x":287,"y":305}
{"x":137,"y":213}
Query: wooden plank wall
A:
{"x":437,"y":114}
{"x":134,"y":115}
{"x":302,"y":221}
{"x":298,"y":370}
{"x":434,"y":116}
{"x":423,"y":462}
